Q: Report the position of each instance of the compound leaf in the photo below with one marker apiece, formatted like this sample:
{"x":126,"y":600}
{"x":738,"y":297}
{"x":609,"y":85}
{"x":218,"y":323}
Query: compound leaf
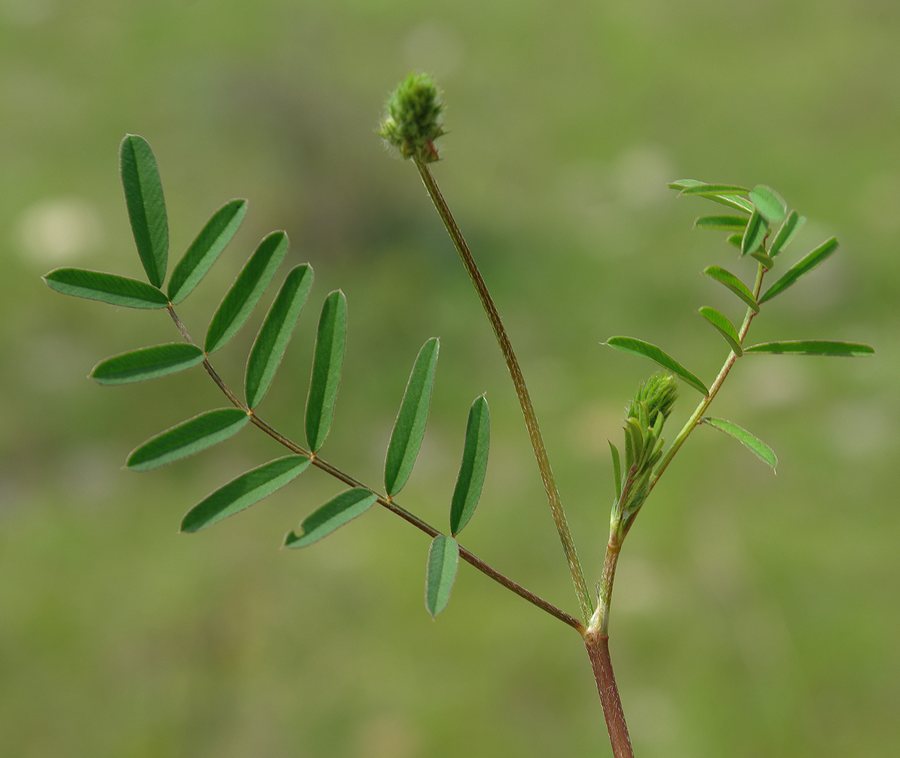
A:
{"x":146,"y":205}
{"x":473,"y":467}
{"x":812,"y":347}
{"x":246,"y":290}
{"x":640,"y":347}
{"x":328,"y":361}
{"x":205,"y":249}
{"x":242,"y":492}
{"x":107,"y":288}
{"x":333,"y":515}
{"x":275,"y":334}
{"x":147,"y":363}
{"x":755,"y":445}
{"x":800,"y":268}
{"x":723,"y":325}
{"x":187,"y":438}
{"x":443,"y":561}
{"x":409,"y":428}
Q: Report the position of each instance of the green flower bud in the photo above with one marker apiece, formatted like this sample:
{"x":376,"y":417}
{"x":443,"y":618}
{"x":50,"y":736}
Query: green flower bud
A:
{"x":657,"y":395}
{"x":413,"y":118}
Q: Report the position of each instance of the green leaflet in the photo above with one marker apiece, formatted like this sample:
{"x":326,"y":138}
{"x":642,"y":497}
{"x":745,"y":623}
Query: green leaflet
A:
{"x":755,"y":445}
{"x":246,"y":291}
{"x":769,"y":203}
{"x":729,"y":280}
{"x":617,"y":468}
{"x":634,"y":442}
{"x":726,"y":197}
{"x":440,"y":573}
{"x":275,"y":334}
{"x":723,"y":325}
{"x":800,"y":268}
{"x":147,"y":363}
{"x":409,"y":428}
{"x":639,"y":347}
{"x":326,"y":369}
{"x":205,"y":249}
{"x":334,"y":514}
{"x":107,"y":288}
{"x":187,"y":438}
{"x":473,"y":467}
{"x":146,"y":205}
{"x":242,"y":492}
{"x":812,"y":347}
{"x":754,"y":234}
{"x":682,"y":184}
{"x":735,"y":239}
{"x":727,"y":223}
{"x":786,"y":232}
{"x":715,"y":189}
{"x":767,"y":261}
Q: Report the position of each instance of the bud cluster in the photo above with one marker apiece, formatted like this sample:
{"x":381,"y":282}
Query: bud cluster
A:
{"x":644,"y":419}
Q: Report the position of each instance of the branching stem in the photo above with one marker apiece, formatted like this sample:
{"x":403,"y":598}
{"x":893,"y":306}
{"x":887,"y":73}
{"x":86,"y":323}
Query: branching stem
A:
{"x":515,"y":371}
{"x":600,"y":620}
{"x":389,"y":504}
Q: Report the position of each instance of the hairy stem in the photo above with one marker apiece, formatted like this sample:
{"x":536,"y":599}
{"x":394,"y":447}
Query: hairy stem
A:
{"x":515,"y":371}
{"x":389,"y":504}
{"x":597,"y":645}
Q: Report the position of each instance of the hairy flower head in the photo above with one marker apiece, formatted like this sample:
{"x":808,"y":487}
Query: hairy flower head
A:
{"x":412,"y":119}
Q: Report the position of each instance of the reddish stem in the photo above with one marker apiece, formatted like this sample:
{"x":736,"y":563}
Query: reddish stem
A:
{"x":597,"y":645}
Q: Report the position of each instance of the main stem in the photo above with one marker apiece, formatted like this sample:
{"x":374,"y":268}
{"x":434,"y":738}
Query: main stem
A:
{"x":389,"y":504}
{"x":515,"y":371}
{"x":597,"y":645}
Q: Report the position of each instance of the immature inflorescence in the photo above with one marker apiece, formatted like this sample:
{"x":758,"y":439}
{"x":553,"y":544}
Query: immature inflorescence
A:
{"x":644,"y":419}
{"x":657,"y":395}
{"x":414,"y":118}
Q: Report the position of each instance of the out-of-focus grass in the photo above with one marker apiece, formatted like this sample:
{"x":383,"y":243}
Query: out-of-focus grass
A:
{"x":754,"y":615}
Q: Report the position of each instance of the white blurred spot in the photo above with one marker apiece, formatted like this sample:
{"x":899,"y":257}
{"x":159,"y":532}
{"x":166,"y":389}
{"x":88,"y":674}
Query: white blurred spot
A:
{"x":640,"y":176}
{"x":434,"y":48}
{"x":876,"y":203}
{"x":388,"y":736}
{"x":25,"y":12}
{"x":718,"y":552}
{"x":641,"y":588}
{"x":58,"y":230}
{"x":857,"y":430}
{"x":657,"y":715}
{"x":770,"y":382}
{"x":591,"y":427}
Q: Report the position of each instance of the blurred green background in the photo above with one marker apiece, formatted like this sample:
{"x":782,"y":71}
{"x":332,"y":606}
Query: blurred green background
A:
{"x":754,"y":615}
